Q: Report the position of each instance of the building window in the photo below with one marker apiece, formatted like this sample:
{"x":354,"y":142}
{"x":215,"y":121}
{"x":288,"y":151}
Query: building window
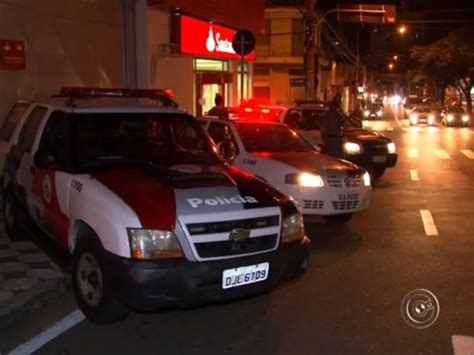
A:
{"x":246,"y":81}
{"x":259,"y":69}
{"x":211,"y":65}
{"x":297,"y":38}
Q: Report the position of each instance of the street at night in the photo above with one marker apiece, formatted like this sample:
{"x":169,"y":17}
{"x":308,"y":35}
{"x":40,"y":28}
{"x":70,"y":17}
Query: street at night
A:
{"x":239,"y":177}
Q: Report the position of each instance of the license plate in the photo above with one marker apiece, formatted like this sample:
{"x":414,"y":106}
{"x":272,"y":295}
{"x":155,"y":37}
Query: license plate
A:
{"x":245,"y":275}
{"x":348,"y":197}
{"x":379,"y":159}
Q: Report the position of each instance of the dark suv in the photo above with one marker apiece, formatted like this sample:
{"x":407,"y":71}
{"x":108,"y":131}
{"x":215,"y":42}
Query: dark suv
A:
{"x":369,"y":149}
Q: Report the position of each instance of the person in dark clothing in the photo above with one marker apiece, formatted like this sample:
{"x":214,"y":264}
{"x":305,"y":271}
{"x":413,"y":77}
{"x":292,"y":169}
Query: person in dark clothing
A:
{"x":331,"y":125}
{"x":219,"y":109}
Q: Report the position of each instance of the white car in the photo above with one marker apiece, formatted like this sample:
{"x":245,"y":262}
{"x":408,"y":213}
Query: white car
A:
{"x":151,"y":213}
{"x":322,"y":185}
{"x":422,"y":115}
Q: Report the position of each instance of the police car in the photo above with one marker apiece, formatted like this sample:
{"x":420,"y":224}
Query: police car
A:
{"x":151,"y":213}
{"x":321,"y":185}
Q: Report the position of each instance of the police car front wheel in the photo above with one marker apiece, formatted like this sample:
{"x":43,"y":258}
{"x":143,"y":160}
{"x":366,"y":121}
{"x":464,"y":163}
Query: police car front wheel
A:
{"x":93,"y":296}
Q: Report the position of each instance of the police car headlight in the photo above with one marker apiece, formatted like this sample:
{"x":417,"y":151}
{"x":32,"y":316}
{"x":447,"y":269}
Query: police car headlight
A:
{"x":352,"y":148}
{"x":305,"y":179}
{"x":379,"y":113}
{"x":366,"y":178}
{"x":293,"y":228}
{"x":391,"y":148}
{"x":153,"y":244}
{"x":450,"y":118}
{"x":366,"y":113}
{"x":465,"y":118}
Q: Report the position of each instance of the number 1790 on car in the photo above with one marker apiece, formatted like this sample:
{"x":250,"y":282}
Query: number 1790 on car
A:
{"x":245,"y":275}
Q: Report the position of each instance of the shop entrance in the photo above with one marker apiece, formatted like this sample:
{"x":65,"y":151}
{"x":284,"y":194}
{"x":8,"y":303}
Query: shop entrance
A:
{"x":209,"y":92}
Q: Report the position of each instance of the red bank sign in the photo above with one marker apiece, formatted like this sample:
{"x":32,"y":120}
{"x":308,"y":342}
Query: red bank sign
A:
{"x":207,"y":39}
{"x":12,"y":54}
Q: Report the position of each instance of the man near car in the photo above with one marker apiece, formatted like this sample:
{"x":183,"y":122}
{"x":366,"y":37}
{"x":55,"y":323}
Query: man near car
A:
{"x":219,"y":109}
{"x":331,"y":125}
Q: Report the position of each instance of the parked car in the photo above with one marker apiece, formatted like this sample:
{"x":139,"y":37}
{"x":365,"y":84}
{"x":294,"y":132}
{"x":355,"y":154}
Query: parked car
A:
{"x":150,"y":212}
{"x":455,"y":116}
{"x":371,"y":150}
{"x":422,"y":115}
{"x":322,"y":185}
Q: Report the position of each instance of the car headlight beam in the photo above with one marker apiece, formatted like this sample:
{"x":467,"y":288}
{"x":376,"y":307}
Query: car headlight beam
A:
{"x":352,"y":148}
{"x":153,"y":244}
{"x":366,"y":179}
{"x":305,"y":179}
{"x":465,"y":118}
{"x":391,"y":148}
{"x":450,"y":118}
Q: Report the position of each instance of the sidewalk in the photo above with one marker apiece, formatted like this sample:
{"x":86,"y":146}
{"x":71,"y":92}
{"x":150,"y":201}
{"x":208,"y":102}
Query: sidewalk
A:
{"x":28,"y":278}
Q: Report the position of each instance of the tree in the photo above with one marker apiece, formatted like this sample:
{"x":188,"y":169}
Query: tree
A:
{"x":449,"y":61}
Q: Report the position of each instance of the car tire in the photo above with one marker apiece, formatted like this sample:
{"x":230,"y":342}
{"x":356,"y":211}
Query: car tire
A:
{"x":376,"y":174}
{"x":94,"y":297}
{"x":338,"y":218}
{"x":10,"y":214}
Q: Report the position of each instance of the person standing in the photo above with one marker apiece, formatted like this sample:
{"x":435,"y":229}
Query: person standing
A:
{"x":331,"y":125}
{"x":219,"y":109}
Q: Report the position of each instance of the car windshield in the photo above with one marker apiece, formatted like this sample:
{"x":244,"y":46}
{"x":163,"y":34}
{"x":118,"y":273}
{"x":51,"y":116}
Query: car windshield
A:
{"x":414,"y":101}
{"x":134,"y":139}
{"x":457,"y":110}
{"x":271,"y":138}
{"x":423,"y":109}
{"x":374,"y":107}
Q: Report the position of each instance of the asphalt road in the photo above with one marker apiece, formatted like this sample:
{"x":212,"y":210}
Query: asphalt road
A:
{"x":350,"y":299}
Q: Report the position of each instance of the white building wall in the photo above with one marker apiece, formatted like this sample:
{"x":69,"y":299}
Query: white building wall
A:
{"x":68,"y":42}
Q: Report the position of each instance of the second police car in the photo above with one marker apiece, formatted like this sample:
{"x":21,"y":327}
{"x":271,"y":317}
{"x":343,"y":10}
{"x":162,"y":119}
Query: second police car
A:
{"x":151,"y":213}
{"x":322,"y":185}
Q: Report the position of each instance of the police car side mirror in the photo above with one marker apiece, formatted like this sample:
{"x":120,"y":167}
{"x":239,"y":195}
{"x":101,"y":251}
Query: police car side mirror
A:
{"x":44,"y":159}
{"x":227,"y":149}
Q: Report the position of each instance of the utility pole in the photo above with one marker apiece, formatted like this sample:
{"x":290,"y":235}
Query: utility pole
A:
{"x":310,"y":48}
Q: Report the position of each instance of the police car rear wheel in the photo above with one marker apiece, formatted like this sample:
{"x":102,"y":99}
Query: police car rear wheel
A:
{"x":10,"y":213}
{"x":93,"y":296}
{"x":338,"y":218}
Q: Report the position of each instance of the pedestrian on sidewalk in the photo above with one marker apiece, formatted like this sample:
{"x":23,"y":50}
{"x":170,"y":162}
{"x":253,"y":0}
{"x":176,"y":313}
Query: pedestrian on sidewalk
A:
{"x":332,"y":123}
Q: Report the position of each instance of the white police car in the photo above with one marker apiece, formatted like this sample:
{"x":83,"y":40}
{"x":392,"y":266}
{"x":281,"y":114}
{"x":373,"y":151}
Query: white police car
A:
{"x":322,"y":185}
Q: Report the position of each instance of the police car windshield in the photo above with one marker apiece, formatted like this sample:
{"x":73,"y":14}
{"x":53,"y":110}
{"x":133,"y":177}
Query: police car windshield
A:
{"x":135,"y":139}
{"x":271,"y":138}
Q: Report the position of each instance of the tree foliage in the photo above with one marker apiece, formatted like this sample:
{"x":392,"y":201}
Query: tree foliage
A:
{"x":449,"y":61}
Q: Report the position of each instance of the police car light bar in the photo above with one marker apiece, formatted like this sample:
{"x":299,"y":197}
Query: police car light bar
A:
{"x":76,"y":92}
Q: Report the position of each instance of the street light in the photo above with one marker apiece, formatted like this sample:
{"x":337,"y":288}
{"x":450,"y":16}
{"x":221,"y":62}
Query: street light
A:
{"x":391,"y":66}
{"x":402,"y":29}
{"x":395,"y":57}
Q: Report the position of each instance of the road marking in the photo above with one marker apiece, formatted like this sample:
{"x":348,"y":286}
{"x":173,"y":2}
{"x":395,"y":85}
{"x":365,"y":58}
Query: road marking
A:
{"x":468,"y":153}
{"x":49,"y":334}
{"x":428,"y":223}
{"x":390,"y":128}
{"x":414,"y":175}
{"x":442,"y":154}
{"x":462,"y":344}
{"x":413,"y":153}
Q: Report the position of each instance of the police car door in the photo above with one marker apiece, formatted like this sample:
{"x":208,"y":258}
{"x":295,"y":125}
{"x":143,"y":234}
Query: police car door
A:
{"x":50,"y":189}
{"x":21,"y":157}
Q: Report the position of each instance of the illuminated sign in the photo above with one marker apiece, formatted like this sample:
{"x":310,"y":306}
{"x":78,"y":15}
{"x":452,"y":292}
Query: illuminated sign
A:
{"x":12,"y":54}
{"x":207,"y":39}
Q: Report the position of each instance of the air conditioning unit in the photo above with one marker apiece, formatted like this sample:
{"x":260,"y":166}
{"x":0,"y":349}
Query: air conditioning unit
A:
{"x":168,"y":48}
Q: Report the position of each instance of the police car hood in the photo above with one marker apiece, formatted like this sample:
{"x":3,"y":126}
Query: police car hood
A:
{"x":313,"y":162}
{"x":362,"y":135}
{"x":159,"y":194}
